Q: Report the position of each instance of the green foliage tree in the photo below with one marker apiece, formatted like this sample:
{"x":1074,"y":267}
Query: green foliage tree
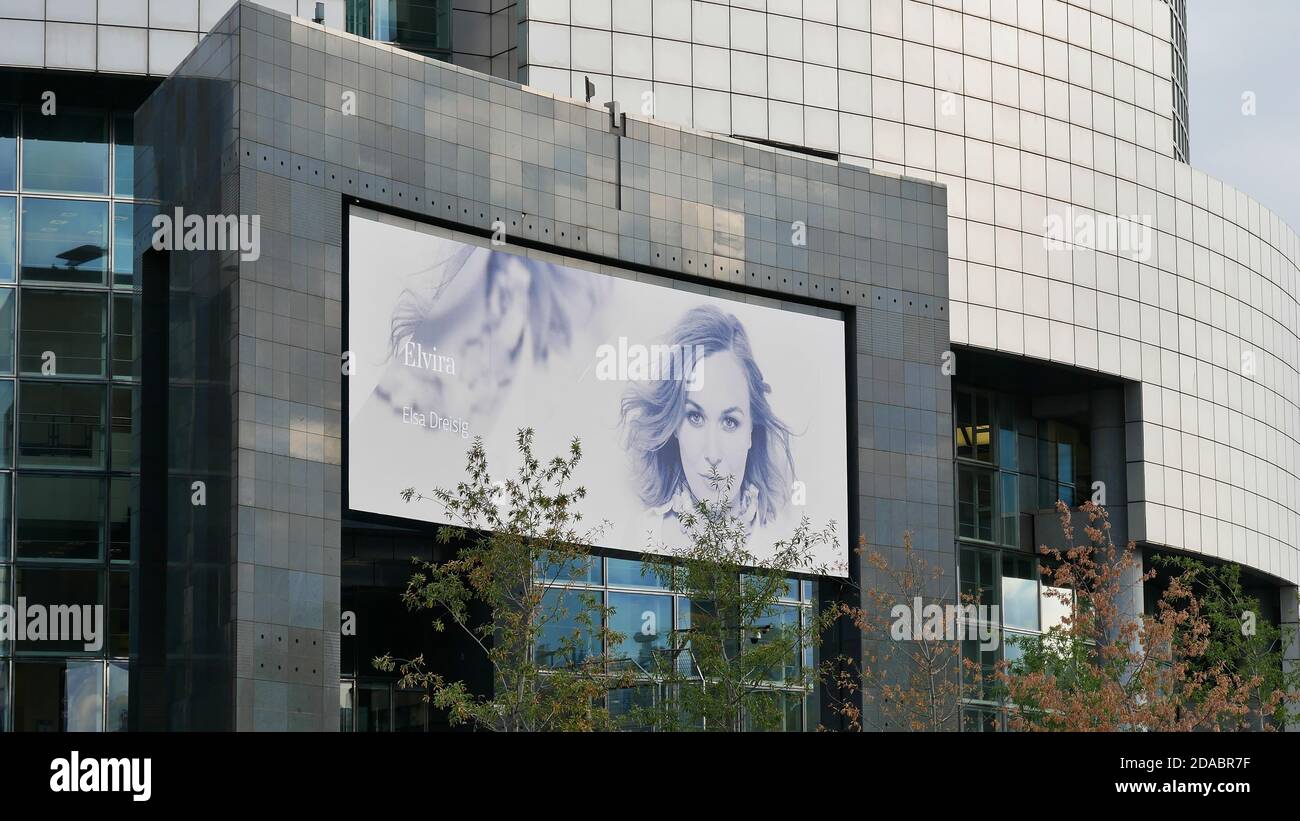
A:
{"x":1241,"y":640}
{"x":547,"y":648}
{"x":720,"y":673}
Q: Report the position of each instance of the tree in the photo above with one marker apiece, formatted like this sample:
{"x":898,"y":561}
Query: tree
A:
{"x":1242,"y":640}
{"x":720,"y":673}
{"x":547,"y":647}
{"x":910,"y":682}
{"x":1105,"y":669}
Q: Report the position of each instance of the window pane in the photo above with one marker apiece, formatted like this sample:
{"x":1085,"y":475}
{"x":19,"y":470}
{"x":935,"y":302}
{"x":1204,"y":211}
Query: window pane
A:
{"x":123,"y":515}
{"x":409,"y":711}
{"x":119,"y":613}
{"x":627,"y":573}
{"x":4,"y":696}
{"x":5,"y":644}
{"x":1020,"y":592}
{"x":983,"y":428}
{"x":584,"y":569}
{"x":1008,"y":446}
{"x":68,"y":325}
{"x":66,"y":153}
{"x":80,"y":591}
{"x":780,"y":625}
{"x":8,"y":161}
{"x":123,"y":155}
{"x":645,"y":620}
{"x":118,"y":697}
{"x":1057,"y":603}
{"x":6,"y":516}
{"x":8,"y":238}
{"x":563,"y":639}
{"x":64,"y":240}
{"x":58,"y":696}
{"x":1008,"y":509}
{"x":124,"y":413}
{"x":6,"y":423}
{"x":417,"y":25}
{"x":346,"y":702}
{"x":975,"y":504}
{"x":8,"y":304}
{"x":623,"y":701}
{"x":60,"y":517}
{"x":61,"y":425}
{"x":373,"y":708}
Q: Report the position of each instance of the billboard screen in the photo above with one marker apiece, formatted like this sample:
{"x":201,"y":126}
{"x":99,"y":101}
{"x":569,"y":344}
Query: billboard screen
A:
{"x":451,"y":338}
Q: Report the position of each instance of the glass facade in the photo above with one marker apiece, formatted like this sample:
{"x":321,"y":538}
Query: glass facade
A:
{"x":421,"y":26}
{"x":1010,"y":467}
{"x":69,"y":465}
{"x":642,"y":611}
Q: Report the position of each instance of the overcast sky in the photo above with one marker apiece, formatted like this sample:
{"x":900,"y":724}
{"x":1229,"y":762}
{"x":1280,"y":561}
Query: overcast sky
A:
{"x":1236,"y":46}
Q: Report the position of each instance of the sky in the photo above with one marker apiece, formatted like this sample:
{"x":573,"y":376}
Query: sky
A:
{"x":1235,"y":47}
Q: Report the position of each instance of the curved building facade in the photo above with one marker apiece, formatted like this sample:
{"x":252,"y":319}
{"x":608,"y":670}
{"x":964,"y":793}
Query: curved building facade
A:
{"x":1076,"y":232}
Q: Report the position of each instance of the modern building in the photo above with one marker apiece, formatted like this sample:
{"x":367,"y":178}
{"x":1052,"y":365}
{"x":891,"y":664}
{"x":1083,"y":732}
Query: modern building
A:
{"x":1038,"y":295}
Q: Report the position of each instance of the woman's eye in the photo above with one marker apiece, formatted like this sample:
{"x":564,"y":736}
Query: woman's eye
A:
{"x":695,"y":418}
{"x":729,"y":424}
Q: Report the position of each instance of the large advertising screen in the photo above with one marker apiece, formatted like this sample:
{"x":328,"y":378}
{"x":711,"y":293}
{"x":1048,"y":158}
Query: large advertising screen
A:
{"x":452,"y":338}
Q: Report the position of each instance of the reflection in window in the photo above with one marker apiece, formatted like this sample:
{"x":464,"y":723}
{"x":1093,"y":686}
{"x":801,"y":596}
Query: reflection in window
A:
{"x":986,"y":660}
{"x":409,"y":711}
{"x":1009,"y":512}
{"x":1020,"y":592}
{"x":628,"y":573}
{"x":118,"y":697}
{"x":973,"y":433}
{"x":123,"y":155}
{"x":347,"y":696}
{"x":5,"y":646}
{"x":124,"y":411}
{"x":623,"y":702}
{"x":780,"y":624}
{"x":73,"y":588}
{"x":59,"y":517}
{"x":58,"y":696}
{"x":584,"y":569}
{"x":564,"y":640}
{"x":8,"y":161}
{"x":978,"y":582}
{"x":1057,"y":603}
{"x":65,"y":153}
{"x":126,"y":257}
{"x":975,"y":504}
{"x":68,"y":325}
{"x":8,"y":238}
{"x":8,"y":305}
{"x":61,"y":425}
{"x":6,"y":424}
{"x":64,"y":240}
{"x":119,"y":613}
{"x":645,"y":621}
{"x":422,"y":26}
{"x":374,"y":708}
{"x":975,"y":720}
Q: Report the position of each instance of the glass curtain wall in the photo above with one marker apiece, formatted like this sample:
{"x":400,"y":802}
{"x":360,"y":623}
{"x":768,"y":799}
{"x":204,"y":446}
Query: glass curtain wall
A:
{"x":69,"y":401}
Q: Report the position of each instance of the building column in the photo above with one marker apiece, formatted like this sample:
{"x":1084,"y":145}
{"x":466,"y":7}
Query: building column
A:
{"x":1110,"y":468}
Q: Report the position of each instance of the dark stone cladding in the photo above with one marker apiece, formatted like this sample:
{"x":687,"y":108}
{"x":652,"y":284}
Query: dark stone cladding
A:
{"x":252,"y":122}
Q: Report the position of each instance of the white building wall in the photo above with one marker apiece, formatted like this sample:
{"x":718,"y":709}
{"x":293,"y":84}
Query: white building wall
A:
{"x":1025,"y":109}
{"x":120,"y":36}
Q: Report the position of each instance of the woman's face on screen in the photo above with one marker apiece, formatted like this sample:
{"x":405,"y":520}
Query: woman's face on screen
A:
{"x":717,"y":425}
